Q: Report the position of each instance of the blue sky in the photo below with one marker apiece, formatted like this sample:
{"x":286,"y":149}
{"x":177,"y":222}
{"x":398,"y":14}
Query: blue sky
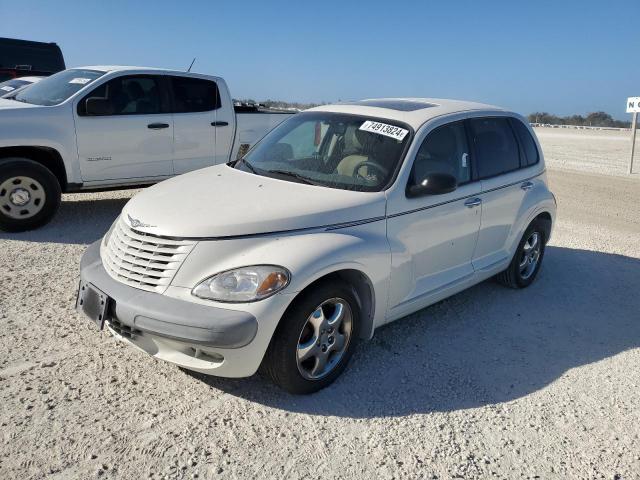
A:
{"x":558,"y":56}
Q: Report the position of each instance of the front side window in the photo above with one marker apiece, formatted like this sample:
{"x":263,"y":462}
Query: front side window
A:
{"x":334,"y":150}
{"x":194,"y":95}
{"x":526,"y":140}
{"x":57,"y":88}
{"x":444,"y":150}
{"x":127,"y":95}
{"x":495,"y":146}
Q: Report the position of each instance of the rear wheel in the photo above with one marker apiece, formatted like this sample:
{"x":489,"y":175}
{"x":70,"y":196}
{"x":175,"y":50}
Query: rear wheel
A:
{"x":527,"y":260}
{"x":29,"y":195}
{"x":314,"y":340}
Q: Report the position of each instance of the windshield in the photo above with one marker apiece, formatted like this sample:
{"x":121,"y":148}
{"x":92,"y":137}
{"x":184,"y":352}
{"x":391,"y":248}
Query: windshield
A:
{"x":334,"y":150}
{"x":11,"y":85}
{"x":57,"y":88}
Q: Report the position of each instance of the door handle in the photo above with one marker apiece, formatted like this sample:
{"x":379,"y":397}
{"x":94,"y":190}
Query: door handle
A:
{"x":473,"y":202}
{"x":157,"y":126}
{"x":219,"y":124}
{"x":526,"y":186}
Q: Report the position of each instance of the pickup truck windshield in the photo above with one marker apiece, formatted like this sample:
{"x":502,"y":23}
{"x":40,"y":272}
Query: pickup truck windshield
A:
{"x":57,"y":88}
{"x":333,"y":150}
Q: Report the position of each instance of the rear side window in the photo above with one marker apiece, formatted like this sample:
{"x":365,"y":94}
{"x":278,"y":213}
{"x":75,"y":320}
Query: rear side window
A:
{"x":531,"y":155}
{"x":495,"y":146}
{"x":194,"y":95}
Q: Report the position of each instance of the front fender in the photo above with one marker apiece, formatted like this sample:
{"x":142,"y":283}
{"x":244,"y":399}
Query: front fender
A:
{"x":308,"y":256}
{"x":50,"y":127}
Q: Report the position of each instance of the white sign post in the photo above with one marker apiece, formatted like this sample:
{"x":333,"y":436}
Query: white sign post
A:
{"x":633,"y":106}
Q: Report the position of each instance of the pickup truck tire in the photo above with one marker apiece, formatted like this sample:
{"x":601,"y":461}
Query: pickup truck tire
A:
{"x":320,"y":327}
{"x":527,"y":260}
{"x":29,"y":195}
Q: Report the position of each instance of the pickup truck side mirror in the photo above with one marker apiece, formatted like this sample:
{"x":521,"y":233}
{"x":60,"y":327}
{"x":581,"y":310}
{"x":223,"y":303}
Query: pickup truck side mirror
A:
{"x":433,"y":184}
{"x":98,"y":106}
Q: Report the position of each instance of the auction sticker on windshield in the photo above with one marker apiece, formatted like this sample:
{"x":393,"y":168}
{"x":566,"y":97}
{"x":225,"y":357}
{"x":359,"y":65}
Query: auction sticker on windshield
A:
{"x":384,"y":129}
{"x":80,"y":80}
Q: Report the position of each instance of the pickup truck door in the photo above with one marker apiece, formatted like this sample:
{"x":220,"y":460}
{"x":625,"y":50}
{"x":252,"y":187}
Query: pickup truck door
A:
{"x":196,"y":102}
{"x":127,"y":132}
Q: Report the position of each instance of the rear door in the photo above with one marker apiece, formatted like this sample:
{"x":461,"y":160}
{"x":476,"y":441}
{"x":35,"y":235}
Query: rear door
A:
{"x":497,"y":155}
{"x":132,"y":137}
{"x":195,"y":103}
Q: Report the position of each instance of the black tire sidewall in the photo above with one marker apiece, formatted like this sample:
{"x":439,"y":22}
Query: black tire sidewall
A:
{"x":28,"y":168}
{"x":281,"y":358}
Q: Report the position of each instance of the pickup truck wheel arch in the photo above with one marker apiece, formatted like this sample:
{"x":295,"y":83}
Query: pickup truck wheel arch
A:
{"x":48,"y":157}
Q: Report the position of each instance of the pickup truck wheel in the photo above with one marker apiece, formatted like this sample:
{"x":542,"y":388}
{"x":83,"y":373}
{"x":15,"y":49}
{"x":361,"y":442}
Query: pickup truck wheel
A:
{"x":527,"y":260}
{"x":314,"y":340}
{"x":29,"y":195}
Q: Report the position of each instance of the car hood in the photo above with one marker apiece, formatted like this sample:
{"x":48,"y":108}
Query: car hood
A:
{"x":221,"y":201}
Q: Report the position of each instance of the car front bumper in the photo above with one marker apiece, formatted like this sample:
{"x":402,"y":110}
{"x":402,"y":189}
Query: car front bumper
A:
{"x":196,"y":336}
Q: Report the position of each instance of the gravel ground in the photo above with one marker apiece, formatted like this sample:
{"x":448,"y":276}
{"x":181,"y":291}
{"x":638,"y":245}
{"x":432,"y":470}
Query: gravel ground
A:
{"x":596,"y":151}
{"x":491,"y":383}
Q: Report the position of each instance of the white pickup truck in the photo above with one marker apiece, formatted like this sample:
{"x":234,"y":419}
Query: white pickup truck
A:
{"x":107,"y":127}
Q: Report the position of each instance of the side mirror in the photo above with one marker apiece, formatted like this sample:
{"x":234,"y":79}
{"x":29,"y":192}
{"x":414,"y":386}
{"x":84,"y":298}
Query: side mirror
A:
{"x":98,"y":106}
{"x":433,"y":184}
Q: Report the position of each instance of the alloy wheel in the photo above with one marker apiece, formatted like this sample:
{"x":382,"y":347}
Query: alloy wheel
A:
{"x":324,"y":338}
{"x":530,"y":255}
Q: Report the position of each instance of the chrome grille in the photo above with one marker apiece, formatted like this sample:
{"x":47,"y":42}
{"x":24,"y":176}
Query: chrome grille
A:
{"x":143,"y":260}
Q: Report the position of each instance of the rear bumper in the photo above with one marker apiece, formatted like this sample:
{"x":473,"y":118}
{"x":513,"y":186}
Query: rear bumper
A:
{"x":167,"y":317}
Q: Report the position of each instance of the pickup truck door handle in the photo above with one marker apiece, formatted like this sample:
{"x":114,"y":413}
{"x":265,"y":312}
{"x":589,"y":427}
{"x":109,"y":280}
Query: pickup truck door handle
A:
{"x":157,"y":126}
{"x":526,"y":186}
{"x":473,"y":202}
{"x":219,"y":124}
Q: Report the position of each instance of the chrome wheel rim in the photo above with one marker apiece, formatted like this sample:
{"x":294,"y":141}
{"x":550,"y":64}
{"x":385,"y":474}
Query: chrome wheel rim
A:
{"x":530,"y":255}
{"x":324,"y":338}
{"x":21,"y":197}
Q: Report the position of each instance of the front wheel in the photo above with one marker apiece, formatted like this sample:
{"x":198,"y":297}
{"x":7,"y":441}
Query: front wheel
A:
{"x":29,"y":195}
{"x":527,"y":260}
{"x":315,"y":339}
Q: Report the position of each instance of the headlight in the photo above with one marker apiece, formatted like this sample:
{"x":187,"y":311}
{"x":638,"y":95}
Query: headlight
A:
{"x":245,"y":284}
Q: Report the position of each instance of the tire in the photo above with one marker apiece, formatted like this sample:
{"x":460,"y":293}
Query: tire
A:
{"x":519,"y":274}
{"x":29,"y":195}
{"x":302,"y":332}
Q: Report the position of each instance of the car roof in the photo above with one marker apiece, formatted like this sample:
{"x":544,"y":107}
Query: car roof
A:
{"x":122,"y":68}
{"x":412,"y":111}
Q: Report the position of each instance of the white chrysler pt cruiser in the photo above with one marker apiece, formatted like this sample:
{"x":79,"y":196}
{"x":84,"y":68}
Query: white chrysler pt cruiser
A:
{"x":343,"y":218}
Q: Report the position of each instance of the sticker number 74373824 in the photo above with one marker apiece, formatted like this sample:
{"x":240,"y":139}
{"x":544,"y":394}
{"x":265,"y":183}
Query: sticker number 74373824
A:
{"x":384,"y":129}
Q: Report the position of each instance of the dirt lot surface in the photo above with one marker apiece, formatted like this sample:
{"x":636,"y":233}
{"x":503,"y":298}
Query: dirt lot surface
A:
{"x":491,"y":383}
{"x":595,"y":151}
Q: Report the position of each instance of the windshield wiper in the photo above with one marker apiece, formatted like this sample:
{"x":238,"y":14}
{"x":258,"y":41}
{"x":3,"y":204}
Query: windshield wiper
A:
{"x":297,"y":176}
{"x":249,"y":166}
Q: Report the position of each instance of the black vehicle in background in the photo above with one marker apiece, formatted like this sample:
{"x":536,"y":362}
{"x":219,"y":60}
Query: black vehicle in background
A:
{"x":20,"y":58}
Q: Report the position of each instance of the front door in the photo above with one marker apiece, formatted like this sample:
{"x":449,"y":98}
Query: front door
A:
{"x":433,"y":237}
{"x":127,"y":131}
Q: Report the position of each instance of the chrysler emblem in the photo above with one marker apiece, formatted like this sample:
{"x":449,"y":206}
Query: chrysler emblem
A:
{"x":135,"y":223}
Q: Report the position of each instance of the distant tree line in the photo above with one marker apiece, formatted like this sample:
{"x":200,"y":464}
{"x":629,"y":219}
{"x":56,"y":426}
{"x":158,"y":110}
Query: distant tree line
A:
{"x":594,"y":119}
{"x":278,"y":104}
